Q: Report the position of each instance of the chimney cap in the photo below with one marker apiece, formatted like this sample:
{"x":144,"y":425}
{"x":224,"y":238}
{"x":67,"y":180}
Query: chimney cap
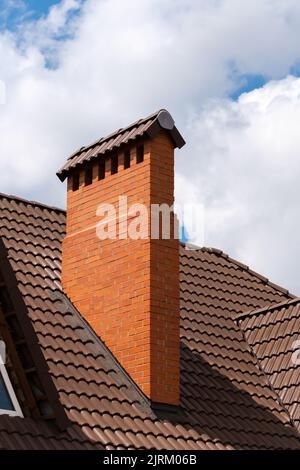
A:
{"x":165,"y":120}
{"x":149,"y":126}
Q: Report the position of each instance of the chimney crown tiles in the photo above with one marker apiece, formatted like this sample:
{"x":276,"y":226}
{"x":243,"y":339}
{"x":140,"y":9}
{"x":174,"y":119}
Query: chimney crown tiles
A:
{"x":149,"y":126}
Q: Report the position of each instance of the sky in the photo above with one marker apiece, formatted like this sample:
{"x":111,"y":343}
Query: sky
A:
{"x":228,"y":71}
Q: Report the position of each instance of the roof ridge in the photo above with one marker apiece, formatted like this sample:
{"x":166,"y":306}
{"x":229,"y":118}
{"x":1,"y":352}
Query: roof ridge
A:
{"x":267,"y":308}
{"x":112,"y":134}
{"x":243,"y":266}
{"x":31,"y":202}
{"x":148,"y":127}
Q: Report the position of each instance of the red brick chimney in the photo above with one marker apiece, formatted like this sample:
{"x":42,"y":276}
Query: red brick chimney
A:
{"x":127,"y":289}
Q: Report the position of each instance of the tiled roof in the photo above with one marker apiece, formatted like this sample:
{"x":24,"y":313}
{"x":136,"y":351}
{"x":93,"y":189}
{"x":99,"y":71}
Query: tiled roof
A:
{"x":226,"y":399}
{"x":148,"y":126}
{"x":30,"y":434}
{"x":273,"y":334}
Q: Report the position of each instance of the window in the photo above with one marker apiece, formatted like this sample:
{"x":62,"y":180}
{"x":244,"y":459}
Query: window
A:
{"x":114,"y":164}
{"x":8,"y":401}
{"x":126,"y":159}
{"x":140,"y":154}
{"x":75,"y":181}
{"x":88,"y":176}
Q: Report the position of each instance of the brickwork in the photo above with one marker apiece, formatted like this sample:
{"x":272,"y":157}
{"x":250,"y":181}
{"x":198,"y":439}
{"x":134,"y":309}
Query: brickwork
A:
{"x":128,"y":290}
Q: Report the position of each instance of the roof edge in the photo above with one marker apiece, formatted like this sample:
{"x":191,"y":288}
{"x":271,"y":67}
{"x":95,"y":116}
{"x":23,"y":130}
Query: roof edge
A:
{"x":137,"y":394}
{"x":245,"y":267}
{"x":31,"y":337}
{"x":268,"y":308}
{"x":116,"y":132}
{"x":32,"y":203}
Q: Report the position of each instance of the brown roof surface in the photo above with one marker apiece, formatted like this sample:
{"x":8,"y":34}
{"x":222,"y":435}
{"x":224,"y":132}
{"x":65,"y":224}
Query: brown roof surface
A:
{"x":30,"y":434}
{"x":226,"y":399}
{"x":148,"y":126}
{"x":273,"y":334}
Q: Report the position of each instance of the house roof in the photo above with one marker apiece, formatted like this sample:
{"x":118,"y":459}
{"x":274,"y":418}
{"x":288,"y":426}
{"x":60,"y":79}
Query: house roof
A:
{"x":273,"y":335}
{"x":227,"y":397}
{"x":149,"y":126}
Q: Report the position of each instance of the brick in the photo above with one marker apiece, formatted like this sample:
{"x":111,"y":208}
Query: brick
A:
{"x":128,"y":290}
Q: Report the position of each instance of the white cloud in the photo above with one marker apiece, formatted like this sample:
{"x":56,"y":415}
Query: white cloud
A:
{"x":46,"y":33}
{"x":121,"y":60}
{"x":10,"y":6}
{"x":245,"y":169}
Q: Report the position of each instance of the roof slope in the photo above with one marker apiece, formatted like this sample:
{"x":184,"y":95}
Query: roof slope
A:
{"x":274,"y":335}
{"x":148,"y":126}
{"x":30,"y":434}
{"x":226,"y":399}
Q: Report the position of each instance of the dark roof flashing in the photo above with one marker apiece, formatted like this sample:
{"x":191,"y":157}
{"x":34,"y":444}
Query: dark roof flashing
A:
{"x":32,"y":203}
{"x":149,"y":126}
{"x":99,"y":348}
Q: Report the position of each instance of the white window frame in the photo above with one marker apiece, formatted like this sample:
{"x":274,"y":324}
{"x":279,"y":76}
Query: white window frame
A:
{"x":17,"y":410}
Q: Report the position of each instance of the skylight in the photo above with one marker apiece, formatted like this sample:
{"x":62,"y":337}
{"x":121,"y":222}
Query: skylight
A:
{"x":8,"y":401}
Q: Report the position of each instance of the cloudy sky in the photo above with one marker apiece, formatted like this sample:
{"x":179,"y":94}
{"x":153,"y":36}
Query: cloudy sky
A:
{"x":227,"y":70}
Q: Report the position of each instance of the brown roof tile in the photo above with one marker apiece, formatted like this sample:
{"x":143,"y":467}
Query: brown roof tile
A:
{"x":226,"y":399}
{"x":148,"y":126}
{"x":272,"y":334}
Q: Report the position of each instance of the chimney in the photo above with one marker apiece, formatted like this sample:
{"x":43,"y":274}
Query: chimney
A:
{"x":125,"y":283}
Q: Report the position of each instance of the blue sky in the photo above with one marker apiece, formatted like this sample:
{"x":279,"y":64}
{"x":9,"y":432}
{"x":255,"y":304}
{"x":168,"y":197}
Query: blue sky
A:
{"x":18,"y":8}
{"x":40,"y":6}
{"x":248,"y":83}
